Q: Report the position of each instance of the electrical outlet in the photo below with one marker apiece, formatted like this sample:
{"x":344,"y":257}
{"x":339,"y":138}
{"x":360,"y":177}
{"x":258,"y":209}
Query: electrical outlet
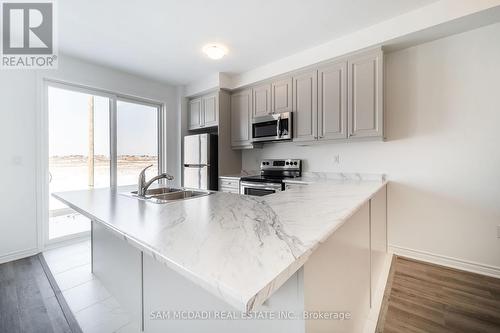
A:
{"x":336,"y":159}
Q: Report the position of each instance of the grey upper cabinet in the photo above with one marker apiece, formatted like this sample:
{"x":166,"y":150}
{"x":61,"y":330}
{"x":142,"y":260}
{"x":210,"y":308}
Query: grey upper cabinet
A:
{"x":305,"y":106}
{"x":281,"y":95}
{"x":261,"y":100}
{"x":204,"y":111}
{"x":338,"y":100}
{"x":365,"y":95}
{"x":210,"y":107}
{"x":241,"y":112}
{"x":332,"y":101}
{"x":194,"y":117}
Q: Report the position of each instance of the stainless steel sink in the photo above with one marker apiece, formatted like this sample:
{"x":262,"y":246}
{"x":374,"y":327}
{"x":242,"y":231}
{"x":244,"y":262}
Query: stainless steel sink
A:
{"x":167,"y":194}
{"x":158,"y":191}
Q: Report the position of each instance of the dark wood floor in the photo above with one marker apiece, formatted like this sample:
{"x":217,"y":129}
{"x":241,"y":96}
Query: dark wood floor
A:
{"x":30,"y":300}
{"x":422,"y":297}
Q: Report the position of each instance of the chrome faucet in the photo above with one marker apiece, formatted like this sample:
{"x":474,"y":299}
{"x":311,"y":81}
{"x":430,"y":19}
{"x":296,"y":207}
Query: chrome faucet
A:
{"x":143,"y":186}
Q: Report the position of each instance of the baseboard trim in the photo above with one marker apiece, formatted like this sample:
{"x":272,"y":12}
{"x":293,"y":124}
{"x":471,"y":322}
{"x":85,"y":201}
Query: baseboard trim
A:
{"x":18,"y":255}
{"x":438,"y":259}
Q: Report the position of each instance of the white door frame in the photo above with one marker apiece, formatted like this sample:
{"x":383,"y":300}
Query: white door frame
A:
{"x":42,"y":172}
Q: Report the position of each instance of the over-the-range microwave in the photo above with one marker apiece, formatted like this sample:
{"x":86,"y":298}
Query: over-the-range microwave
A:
{"x":273,"y":127}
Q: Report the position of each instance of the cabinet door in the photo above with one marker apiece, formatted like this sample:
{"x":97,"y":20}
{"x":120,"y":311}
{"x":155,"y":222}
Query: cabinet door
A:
{"x":195,"y":117}
{"x":305,"y":106}
{"x":281,"y":95}
{"x":261,"y":100}
{"x":332,"y":101}
{"x":241,"y":110}
{"x":365,"y":95}
{"x":210,"y":107}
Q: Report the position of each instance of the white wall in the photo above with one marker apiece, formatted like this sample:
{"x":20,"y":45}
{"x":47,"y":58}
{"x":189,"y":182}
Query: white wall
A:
{"x":19,"y":104}
{"x":442,"y":154}
{"x":17,"y":162}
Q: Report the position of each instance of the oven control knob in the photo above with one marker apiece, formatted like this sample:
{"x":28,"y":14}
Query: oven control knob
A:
{"x":287,"y":163}
{"x":295,"y":163}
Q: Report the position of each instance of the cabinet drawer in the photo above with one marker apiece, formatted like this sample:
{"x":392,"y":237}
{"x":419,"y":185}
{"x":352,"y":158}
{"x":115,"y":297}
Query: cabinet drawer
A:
{"x":229,"y":190}
{"x":230,"y":183}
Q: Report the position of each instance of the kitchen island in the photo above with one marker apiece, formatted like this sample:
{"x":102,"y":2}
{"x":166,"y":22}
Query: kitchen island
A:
{"x":199,"y":265}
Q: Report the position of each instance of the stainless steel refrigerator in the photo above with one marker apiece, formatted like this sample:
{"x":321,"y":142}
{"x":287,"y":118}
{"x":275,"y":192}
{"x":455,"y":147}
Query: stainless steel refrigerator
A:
{"x":200,"y":161}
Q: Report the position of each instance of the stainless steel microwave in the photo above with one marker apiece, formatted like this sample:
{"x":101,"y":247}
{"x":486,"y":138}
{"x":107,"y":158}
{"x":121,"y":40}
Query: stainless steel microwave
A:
{"x":273,"y":127}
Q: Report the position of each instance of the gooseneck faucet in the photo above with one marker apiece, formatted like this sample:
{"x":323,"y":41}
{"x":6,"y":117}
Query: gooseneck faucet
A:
{"x":142,"y":185}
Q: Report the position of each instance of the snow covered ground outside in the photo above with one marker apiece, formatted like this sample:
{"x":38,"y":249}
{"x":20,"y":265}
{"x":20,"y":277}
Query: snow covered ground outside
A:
{"x":70,"y":173}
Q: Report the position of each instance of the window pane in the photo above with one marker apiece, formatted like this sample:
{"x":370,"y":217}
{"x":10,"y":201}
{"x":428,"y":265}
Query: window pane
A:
{"x":137,"y":141}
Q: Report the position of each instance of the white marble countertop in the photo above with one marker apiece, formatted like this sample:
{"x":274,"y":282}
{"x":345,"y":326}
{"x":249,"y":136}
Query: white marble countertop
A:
{"x":240,"y":248}
{"x":316,"y":177}
{"x":235,"y":176}
{"x":242,"y":173}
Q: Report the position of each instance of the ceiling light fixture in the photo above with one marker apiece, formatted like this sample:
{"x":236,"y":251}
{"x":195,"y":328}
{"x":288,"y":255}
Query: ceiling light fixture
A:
{"x":215,"y":51}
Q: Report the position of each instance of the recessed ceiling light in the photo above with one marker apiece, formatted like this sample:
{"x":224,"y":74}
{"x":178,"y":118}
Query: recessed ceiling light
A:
{"x":215,"y":51}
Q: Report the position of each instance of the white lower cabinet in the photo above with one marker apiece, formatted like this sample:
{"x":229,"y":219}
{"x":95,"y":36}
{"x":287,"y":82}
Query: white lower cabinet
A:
{"x":117,"y":265}
{"x":168,"y":291}
{"x":229,"y":185}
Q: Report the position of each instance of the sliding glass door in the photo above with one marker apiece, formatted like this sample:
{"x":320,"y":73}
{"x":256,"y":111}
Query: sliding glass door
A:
{"x":95,"y":140}
{"x":79,"y":153}
{"x":137,"y":141}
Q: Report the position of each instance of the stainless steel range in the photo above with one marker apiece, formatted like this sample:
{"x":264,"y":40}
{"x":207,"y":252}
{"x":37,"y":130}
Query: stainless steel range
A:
{"x":272,"y":174}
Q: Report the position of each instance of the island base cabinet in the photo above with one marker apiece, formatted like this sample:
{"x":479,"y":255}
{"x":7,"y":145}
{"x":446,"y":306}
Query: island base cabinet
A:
{"x":337,"y":281}
{"x":380,"y":259}
{"x":117,"y":265}
{"x":345,"y":273}
{"x":169,"y":295}
{"x":337,"y":277}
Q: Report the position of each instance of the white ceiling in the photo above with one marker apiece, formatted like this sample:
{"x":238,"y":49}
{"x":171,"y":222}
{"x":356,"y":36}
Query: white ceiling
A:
{"x":163,"y":39}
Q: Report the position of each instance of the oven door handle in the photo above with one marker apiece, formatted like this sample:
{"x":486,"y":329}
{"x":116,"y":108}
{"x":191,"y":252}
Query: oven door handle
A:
{"x":265,"y":186}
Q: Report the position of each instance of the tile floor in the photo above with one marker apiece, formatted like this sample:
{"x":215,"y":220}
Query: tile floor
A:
{"x":94,"y":308}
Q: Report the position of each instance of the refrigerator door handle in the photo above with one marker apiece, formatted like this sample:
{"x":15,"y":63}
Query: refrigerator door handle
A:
{"x":196,"y":165}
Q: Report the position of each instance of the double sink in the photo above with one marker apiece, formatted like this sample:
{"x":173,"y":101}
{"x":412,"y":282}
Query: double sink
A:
{"x":163,"y":195}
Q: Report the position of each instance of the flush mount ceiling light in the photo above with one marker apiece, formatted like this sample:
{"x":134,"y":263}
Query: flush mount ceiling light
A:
{"x":215,"y":51}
